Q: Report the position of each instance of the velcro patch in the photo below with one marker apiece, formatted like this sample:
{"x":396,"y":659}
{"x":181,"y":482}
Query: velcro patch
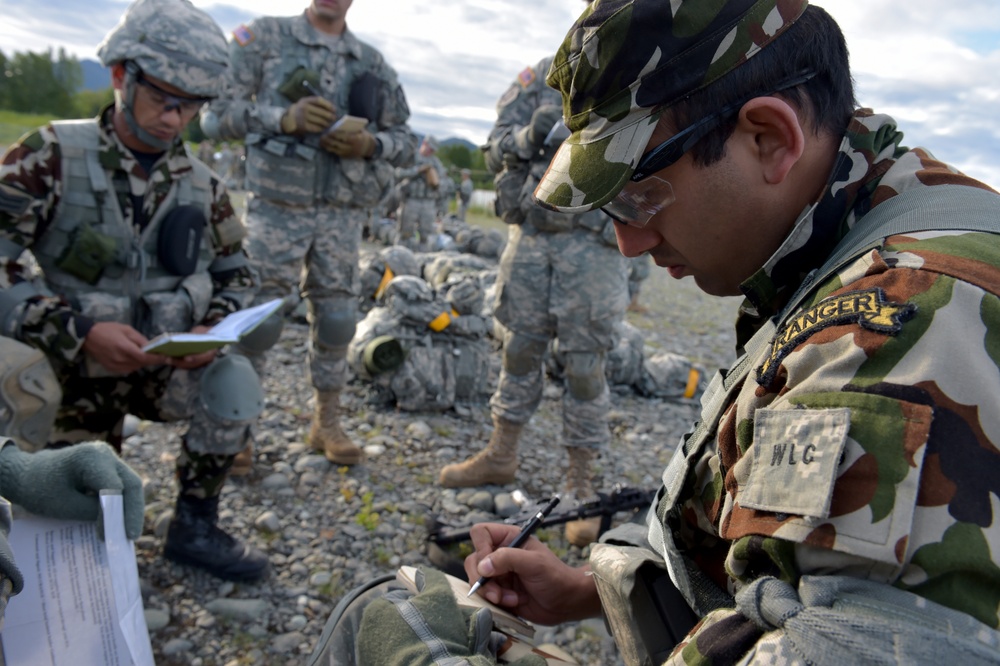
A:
{"x":866,"y":307}
{"x":796,"y":453}
{"x":243,"y":35}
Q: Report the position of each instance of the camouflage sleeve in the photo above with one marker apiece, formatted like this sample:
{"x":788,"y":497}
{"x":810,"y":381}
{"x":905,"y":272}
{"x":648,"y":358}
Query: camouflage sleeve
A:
{"x":399,"y":144}
{"x":30,"y":187}
{"x":236,"y":112}
{"x":232,"y":289}
{"x":869,"y":446}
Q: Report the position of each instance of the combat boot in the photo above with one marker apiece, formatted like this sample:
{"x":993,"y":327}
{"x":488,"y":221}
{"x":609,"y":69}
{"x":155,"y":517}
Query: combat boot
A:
{"x":497,"y":463}
{"x":194,"y":538}
{"x":637,"y":307}
{"x":578,"y":483}
{"x":326,"y":434}
{"x":243,"y":462}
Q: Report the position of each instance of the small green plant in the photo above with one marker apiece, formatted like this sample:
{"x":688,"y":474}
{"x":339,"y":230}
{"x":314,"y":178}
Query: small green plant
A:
{"x":367,"y":517}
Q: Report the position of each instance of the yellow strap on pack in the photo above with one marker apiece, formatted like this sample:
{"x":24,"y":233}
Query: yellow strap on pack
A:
{"x":692,"y":385}
{"x":386,"y":278}
{"x":442,"y":321}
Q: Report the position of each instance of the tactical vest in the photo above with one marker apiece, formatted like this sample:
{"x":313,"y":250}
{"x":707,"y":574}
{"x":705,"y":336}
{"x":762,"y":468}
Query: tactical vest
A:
{"x":938,"y":208}
{"x":295,"y":170}
{"x":89,"y":206}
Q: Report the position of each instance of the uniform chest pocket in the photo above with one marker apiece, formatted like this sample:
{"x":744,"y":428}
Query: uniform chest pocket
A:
{"x":844,"y":477}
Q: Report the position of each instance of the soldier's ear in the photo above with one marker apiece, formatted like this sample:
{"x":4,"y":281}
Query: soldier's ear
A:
{"x":774,"y":134}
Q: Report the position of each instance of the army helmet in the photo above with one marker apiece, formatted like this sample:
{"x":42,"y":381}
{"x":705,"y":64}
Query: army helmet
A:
{"x":171,"y":40}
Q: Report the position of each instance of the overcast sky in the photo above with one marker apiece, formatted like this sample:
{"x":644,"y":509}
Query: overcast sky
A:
{"x":934,"y":66}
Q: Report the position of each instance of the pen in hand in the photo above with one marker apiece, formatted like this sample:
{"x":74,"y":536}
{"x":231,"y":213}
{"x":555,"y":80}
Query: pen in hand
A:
{"x":526,"y":531}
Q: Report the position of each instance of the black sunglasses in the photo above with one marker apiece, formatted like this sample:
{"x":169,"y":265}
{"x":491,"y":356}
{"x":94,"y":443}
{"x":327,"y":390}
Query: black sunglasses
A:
{"x":674,"y":148}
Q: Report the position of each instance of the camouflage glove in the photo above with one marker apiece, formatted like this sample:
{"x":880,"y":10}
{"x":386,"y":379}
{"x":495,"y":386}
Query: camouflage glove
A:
{"x":64,"y":483}
{"x":403,"y":629}
{"x":308,"y":115}
{"x":532,"y":136}
{"x":349,"y":144}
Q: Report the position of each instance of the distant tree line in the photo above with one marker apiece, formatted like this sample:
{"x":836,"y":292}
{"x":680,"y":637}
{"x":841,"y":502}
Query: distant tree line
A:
{"x":47,"y":84}
{"x":50,"y":84}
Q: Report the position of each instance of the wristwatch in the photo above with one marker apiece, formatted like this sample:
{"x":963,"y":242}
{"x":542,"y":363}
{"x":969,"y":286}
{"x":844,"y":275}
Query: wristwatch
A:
{"x":378,"y":149}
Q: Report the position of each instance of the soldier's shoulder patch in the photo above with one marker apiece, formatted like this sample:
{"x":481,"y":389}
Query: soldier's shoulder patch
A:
{"x":243,"y":35}
{"x":526,"y":77}
{"x":867,"y":308}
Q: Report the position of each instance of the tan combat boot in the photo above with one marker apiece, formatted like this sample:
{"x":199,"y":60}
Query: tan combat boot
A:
{"x":243,"y":462}
{"x":584,"y":531}
{"x":497,"y":463}
{"x":326,"y":434}
{"x":636,"y":306}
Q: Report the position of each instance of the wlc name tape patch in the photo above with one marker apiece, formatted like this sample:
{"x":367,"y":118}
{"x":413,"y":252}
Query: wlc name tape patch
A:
{"x":796,"y":453}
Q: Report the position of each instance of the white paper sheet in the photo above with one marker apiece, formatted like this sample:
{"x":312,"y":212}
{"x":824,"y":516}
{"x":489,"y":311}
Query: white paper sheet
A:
{"x":81,"y":602}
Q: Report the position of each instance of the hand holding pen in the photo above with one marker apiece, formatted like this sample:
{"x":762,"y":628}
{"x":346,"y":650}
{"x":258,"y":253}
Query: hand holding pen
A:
{"x":526,"y":531}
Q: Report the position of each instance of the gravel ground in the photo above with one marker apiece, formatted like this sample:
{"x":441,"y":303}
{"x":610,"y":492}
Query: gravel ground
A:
{"x":328,"y":529}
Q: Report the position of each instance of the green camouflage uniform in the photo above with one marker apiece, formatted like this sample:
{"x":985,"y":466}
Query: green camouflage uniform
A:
{"x":910,"y":424}
{"x":561,"y":276}
{"x":864,"y":443}
{"x":94,"y":404}
{"x":307,"y":207}
{"x":421,"y":204}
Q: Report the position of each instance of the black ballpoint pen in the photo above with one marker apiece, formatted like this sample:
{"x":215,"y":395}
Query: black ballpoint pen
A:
{"x":526,"y":531}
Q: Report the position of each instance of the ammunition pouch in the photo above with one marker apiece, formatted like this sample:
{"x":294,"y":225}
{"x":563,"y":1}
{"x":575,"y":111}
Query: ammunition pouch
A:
{"x":88,"y":253}
{"x":294,"y":87}
{"x":281,"y":168}
{"x":645,"y":613}
{"x":174,"y":311}
{"x":179,"y":239}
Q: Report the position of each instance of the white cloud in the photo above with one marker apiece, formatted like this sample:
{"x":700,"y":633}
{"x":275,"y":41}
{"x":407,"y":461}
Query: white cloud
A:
{"x":937,"y":72}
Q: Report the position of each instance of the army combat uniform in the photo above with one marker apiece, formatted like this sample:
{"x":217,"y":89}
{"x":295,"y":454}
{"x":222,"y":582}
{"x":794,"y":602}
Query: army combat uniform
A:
{"x":424,"y":200}
{"x":862,"y":444}
{"x":48,"y":208}
{"x":561,"y":276}
{"x":306,"y":207}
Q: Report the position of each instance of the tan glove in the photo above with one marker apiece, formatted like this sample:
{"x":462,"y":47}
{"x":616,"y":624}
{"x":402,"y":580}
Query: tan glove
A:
{"x":352,"y":144}
{"x":309,"y":114}
{"x":431,"y":177}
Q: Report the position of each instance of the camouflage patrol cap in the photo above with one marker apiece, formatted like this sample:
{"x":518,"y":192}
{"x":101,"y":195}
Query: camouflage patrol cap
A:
{"x":623,"y":62}
{"x":171,"y":40}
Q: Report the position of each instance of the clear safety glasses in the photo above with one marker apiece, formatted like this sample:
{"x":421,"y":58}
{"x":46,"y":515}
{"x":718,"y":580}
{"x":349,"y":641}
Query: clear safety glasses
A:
{"x":188,"y":106}
{"x":645,"y":195}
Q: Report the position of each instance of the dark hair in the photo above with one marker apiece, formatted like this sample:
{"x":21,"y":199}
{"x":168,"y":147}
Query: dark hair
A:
{"x":814,"y":42}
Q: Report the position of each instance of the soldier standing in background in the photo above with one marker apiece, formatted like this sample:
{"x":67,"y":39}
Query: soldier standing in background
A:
{"x":108,"y":207}
{"x":420,"y":187}
{"x":561,"y":276}
{"x":311,"y":190}
{"x":464,"y":193}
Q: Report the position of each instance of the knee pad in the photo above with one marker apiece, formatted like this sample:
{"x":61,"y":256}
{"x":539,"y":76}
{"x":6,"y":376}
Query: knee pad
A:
{"x":335,"y":328}
{"x":30,"y":394}
{"x":265,"y":335}
{"x":231,"y":390}
{"x":584,"y":375}
{"x":522,"y":354}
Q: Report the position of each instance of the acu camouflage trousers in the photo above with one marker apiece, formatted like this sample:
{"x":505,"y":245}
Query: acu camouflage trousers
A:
{"x":570,"y":286}
{"x":94,"y":408}
{"x":309,"y":252}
